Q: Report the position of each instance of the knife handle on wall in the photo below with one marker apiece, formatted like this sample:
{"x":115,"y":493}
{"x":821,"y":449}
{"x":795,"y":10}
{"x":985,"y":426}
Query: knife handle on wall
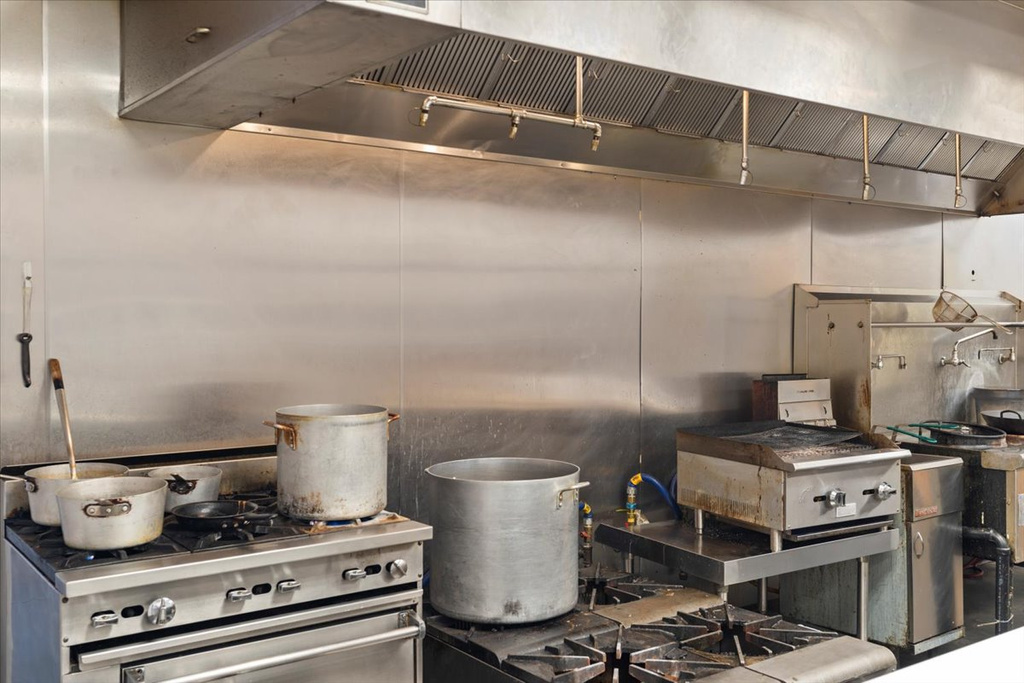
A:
{"x":26,"y":360}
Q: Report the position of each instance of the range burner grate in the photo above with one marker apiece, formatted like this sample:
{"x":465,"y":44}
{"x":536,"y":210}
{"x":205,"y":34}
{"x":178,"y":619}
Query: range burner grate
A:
{"x":684,"y":647}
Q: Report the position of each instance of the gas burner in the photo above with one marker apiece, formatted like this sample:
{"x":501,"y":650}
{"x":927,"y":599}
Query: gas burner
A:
{"x":379,"y":518}
{"x":584,"y":646}
{"x":213,"y":538}
{"x":717,"y":638}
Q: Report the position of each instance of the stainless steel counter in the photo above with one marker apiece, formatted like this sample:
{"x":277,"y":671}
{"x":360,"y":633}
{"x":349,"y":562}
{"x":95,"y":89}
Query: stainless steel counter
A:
{"x":740,"y":556}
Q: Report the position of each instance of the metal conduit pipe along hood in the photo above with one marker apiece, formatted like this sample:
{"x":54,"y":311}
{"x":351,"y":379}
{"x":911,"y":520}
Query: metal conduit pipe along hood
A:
{"x":660,"y":84}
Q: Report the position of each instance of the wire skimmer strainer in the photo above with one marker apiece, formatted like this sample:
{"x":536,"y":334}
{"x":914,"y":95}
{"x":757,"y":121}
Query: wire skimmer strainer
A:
{"x":952,"y":308}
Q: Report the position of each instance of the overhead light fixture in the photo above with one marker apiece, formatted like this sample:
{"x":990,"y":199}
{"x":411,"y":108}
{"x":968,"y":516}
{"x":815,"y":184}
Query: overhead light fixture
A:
{"x":959,"y":200}
{"x":745,"y":175}
{"x":868,"y":191}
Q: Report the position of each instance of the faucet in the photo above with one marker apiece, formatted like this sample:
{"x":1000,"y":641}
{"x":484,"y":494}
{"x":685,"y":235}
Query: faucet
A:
{"x":955,"y":359}
{"x":1010,"y":357}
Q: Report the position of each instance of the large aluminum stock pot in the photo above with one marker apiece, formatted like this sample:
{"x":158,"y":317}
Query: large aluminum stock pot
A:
{"x":332,"y":460}
{"x":505,"y":548}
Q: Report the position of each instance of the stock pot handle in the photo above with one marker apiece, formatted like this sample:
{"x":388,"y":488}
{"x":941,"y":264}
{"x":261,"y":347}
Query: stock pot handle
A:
{"x":575,"y":488}
{"x":291,"y":435}
{"x":30,"y":484}
{"x":391,"y":418}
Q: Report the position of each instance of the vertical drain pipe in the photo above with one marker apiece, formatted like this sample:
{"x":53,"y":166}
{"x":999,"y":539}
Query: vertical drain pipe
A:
{"x":862,"y":598}
{"x":991,"y":545}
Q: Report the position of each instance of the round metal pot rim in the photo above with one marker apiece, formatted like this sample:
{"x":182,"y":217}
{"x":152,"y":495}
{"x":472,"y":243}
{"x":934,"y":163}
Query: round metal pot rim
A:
{"x":110,"y":486}
{"x":85,"y":470}
{"x":340,"y":411}
{"x":502,"y":470}
{"x":185,"y":472}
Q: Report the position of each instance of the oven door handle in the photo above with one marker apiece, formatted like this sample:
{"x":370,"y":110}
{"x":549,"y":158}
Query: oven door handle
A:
{"x":410,"y":626}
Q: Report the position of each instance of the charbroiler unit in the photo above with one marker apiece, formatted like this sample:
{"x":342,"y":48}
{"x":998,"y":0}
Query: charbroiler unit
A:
{"x":272,"y":600}
{"x":791,"y":480}
{"x":648,"y":633}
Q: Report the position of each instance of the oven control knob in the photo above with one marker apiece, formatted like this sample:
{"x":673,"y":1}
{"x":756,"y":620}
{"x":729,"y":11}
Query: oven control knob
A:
{"x":160,"y":611}
{"x":398,"y":568}
{"x":836,"y":498}
{"x":885,"y":491}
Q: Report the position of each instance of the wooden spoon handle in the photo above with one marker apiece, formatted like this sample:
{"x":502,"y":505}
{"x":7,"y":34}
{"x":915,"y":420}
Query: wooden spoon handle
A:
{"x":62,"y":404}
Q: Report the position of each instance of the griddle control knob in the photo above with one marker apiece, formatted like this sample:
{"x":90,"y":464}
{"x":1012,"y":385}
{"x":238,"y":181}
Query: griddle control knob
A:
{"x":885,"y":491}
{"x":398,"y":568}
{"x":160,"y":611}
{"x":836,"y":498}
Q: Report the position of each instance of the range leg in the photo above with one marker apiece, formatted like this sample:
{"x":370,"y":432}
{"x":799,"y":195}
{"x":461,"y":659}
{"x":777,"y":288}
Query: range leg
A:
{"x":862,"y":598}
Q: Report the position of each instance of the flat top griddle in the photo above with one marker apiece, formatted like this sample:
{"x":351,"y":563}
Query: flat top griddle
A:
{"x":787,"y":446}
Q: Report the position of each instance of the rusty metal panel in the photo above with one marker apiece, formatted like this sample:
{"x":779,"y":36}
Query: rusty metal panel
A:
{"x":752,"y":494}
{"x":838,"y":348}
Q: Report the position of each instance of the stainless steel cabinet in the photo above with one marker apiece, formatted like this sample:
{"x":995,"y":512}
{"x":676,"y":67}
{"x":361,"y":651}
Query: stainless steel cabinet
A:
{"x":935,"y":574}
{"x":915,"y":595}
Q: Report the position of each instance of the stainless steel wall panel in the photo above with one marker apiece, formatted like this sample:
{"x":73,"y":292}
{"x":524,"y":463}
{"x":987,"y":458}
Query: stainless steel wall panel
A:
{"x":23,"y":411}
{"x":520,"y":311}
{"x":718,"y":273}
{"x":198,"y":280}
{"x":864,"y":245}
{"x":983,"y":253}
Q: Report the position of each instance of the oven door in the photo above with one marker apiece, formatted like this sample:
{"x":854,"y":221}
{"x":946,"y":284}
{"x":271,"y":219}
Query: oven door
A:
{"x":382,"y":646}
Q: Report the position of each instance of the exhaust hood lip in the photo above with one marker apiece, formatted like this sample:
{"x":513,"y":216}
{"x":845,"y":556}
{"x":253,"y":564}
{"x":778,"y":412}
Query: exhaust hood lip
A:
{"x":499,"y":157}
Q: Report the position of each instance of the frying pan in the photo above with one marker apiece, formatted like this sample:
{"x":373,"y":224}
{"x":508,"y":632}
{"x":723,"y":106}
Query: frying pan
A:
{"x":214,"y":515}
{"x":1002,"y":419}
{"x":964,"y":434}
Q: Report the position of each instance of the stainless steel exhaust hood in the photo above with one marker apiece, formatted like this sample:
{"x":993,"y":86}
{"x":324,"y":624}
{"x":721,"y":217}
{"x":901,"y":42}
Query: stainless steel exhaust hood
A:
{"x":352,"y":70}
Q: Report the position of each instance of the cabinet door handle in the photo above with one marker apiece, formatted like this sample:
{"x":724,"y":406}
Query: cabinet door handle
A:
{"x":918,"y":544}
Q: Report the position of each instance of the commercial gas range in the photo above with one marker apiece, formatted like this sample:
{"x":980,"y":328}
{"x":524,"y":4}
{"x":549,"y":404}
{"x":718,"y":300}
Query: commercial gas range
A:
{"x":279,"y":600}
{"x":648,"y":633}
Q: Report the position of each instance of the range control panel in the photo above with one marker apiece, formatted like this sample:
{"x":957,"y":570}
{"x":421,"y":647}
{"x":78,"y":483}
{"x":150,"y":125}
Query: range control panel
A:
{"x":216,"y":595}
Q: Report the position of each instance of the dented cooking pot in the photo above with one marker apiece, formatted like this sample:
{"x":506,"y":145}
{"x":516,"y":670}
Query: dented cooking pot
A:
{"x":188,"y":483}
{"x":43,"y":483}
{"x":111,"y":513}
{"x":332,"y":460}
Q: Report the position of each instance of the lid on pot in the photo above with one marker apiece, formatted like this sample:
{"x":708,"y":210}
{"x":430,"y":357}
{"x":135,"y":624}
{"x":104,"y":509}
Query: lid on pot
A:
{"x":332,"y":410}
{"x":503,"y":469}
